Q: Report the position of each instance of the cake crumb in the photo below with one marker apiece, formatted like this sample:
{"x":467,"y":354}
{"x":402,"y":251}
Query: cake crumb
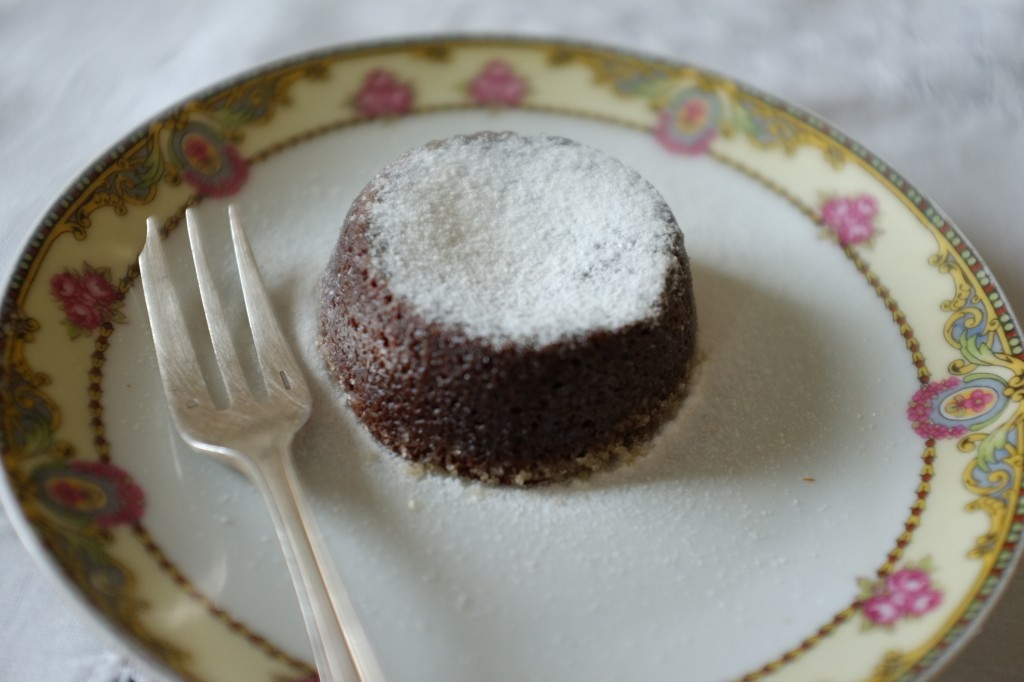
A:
{"x":809,"y":479}
{"x":475,"y":491}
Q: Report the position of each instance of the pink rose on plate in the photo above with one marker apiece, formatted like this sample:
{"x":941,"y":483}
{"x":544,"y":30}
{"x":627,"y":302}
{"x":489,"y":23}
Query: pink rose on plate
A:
{"x":83,"y":315}
{"x":907,"y":593}
{"x":87,"y":298}
{"x":383,"y":95}
{"x":96,"y":289}
{"x":881,"y":609}
{"x":64,"y":286}
{"x":497,"y":85}
{"x":836,"y":211}
{"x":864,"y":205}
{"x":908,"y":581}
{"x":919,"y":603}
{"x":911,"y":589}
{"x":850,"y":219}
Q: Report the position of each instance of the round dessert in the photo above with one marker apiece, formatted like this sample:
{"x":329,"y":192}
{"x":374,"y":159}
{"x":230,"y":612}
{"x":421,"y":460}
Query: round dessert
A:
{"x":515,"y":309}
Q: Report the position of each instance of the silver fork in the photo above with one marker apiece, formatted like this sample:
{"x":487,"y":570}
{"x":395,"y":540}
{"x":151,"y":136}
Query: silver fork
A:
{"x":254,"y":434}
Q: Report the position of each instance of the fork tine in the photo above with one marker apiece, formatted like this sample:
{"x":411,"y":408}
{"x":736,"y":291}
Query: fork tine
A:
{"x":220,"y":334}
{"x":176,"y":358}
{"x":274,"y":353}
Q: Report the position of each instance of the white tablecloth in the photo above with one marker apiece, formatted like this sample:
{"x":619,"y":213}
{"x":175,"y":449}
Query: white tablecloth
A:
{"x":937,"y":88}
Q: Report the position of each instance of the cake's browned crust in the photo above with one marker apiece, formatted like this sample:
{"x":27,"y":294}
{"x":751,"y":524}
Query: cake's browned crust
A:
{"x":499,"y":412}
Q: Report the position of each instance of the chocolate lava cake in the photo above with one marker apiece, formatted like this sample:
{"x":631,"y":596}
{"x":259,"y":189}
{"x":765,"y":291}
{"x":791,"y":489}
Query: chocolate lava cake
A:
{"x":515,"y":309}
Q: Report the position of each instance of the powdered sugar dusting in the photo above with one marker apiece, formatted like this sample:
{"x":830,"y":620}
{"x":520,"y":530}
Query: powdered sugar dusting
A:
{"x":521,"y":238}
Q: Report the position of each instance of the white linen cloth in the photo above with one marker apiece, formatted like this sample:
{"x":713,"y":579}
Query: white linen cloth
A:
{"x":936,"y":88}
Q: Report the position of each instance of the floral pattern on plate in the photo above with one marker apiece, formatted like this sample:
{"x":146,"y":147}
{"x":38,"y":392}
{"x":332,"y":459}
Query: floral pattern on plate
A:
{"x":383,"y":95}
{"x":907,"y":593}
{"x":90,"y":492}
{"x":851,"y":220}
{"x":498,"y":84}
{"x":88,"y":299}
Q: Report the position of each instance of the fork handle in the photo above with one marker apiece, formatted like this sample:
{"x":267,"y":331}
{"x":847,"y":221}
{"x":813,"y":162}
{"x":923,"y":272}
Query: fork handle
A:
{"x":311,"y":566}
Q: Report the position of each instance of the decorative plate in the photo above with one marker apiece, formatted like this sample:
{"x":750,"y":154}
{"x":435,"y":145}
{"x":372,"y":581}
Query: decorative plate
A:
{"x":838,"y":499}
